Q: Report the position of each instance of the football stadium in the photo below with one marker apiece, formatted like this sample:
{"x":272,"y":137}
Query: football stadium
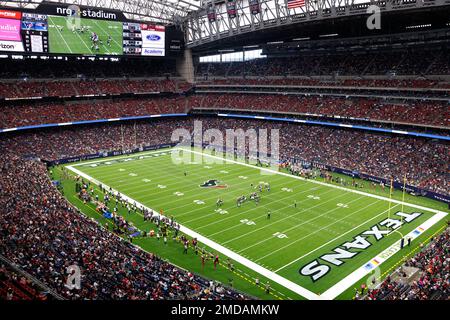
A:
{"x":252,"y":151}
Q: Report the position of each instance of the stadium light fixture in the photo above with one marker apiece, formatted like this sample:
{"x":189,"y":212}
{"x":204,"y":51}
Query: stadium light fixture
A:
{"x":328,"y":35}
{"x":419,"y":26}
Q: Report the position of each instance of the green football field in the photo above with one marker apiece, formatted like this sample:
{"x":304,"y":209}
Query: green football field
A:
{"x":333,"y":237}
{"x":62,"y":39}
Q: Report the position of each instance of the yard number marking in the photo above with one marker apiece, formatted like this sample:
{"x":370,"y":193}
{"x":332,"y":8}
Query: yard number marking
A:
{"x":221,"y":211}
{"x":248,"y":222}
{"x":280,"y":235}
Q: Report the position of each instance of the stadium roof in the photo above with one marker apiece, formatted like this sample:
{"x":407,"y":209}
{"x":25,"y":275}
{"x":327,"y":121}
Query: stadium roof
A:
{"x":161,"y":11}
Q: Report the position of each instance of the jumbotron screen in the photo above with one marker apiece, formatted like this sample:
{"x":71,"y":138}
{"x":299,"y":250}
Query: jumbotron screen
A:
{"x":81,"y":31}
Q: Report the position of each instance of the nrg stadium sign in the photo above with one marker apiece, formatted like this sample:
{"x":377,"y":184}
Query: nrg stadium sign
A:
{"x":317,"y":269}
{"x":75,"y":11}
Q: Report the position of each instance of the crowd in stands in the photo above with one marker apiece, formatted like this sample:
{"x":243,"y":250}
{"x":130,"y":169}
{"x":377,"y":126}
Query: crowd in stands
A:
{"x":424,"y":161}
{"x":414,"y":112}
{"x":307,"y":82}
{"x":14,"y":286}
{"x":354,"y":64}
{"x":433,"y":263}
{"x":420,"y":112}
{"x":66,"y":88}
{"x":43,"y":234}
{"x":42,"y":113}
{"x":56,"y":112}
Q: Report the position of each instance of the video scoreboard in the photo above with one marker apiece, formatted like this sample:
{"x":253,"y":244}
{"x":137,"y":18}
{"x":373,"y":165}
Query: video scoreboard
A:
{"x":62,"y":29}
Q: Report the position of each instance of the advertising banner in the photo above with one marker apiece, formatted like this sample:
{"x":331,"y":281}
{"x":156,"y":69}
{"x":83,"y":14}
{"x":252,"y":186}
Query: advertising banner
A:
{"x":153,"y":40}
{"x":13,"y":46}
{"x":10,"y":30}
{"x":6,"y":14}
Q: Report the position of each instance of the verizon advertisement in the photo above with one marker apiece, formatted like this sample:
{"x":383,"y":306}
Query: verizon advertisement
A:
{"x":10,"y":38}
{"x":153,"y":40}
{"x":13,"y":46}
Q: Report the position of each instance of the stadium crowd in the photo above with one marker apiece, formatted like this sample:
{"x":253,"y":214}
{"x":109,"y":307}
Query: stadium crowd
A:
{"x":401,"y":62}
{"x":424,"y":161}
{"x":415,"y":62}
{"x":42,"y":113}
{"x":417,"y":112}
{"x":43,"y":234}
{"x":433,"y":263}
{"x":14,"y":286}
{"x":76,"y":87}
{"x":66,"y":88}
{"x":358,"y":83}
{"x":429,"y":112}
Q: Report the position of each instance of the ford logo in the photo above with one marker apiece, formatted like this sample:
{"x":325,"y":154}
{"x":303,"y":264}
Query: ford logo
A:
{"x":153,"y":37}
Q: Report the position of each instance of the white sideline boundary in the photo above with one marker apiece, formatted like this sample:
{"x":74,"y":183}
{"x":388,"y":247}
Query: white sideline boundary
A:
{"x":333,"y":291}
